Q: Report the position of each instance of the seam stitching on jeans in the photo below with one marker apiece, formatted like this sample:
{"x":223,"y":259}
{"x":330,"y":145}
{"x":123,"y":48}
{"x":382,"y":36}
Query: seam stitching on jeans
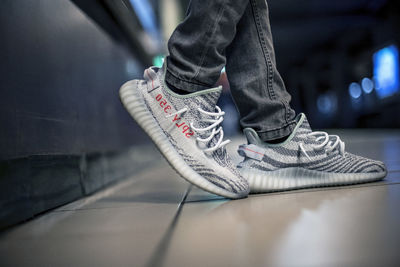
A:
{"x":187,"y":81}
{"x":286,"y":108}
{"x":289,"y":124}
{"x":267,"y":56}
{"x":203,"y":56}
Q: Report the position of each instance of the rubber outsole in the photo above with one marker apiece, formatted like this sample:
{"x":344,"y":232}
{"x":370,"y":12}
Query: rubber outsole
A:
{"x":135,"y":104}
{"x":300,"y":178}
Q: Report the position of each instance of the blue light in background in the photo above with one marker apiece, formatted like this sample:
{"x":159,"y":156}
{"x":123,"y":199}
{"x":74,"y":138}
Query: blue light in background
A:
{"x":146,"y":16}
{"x":327,"y":103}
{"x":367,"y":85}
{"x":386,"y":71}
{"x":355,"y":90}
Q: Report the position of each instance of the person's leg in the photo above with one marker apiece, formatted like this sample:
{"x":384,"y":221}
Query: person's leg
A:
{"x":256,"y":85}
{"x":305,"y":158}
{"x":197,"y":46}
{"x":187,"y":128}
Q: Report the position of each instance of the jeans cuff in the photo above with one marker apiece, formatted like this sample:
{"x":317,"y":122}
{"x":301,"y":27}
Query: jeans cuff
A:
{"x":283,"y":131}
{"x":189,"y":87}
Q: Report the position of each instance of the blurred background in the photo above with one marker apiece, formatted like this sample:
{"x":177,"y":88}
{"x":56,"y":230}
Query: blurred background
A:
{"x":63,"y":61}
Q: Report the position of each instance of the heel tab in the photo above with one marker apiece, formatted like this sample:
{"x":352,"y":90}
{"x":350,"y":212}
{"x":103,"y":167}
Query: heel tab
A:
{"x":150,"y":75}
{"x":252,"y":136}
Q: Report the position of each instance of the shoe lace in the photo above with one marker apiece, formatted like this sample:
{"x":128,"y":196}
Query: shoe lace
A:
{"x":329,"y":143}
{"x":215,"y":121}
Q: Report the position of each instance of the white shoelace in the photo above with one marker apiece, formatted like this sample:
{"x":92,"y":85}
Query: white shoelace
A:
{"x":213,"y":127}
{"x":327,"y":143}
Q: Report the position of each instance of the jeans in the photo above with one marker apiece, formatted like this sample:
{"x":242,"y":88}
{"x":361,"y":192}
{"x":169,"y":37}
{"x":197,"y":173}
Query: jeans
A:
{"x":235,"y":34}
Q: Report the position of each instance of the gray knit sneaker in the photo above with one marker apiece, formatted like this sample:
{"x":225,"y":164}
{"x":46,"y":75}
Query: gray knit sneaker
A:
{"x":305,"y":159}
{"x":187,"y":131}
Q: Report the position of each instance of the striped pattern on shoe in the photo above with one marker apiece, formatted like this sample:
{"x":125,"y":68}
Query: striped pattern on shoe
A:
{"x":187,"y":131}
{"x":305,"y":159}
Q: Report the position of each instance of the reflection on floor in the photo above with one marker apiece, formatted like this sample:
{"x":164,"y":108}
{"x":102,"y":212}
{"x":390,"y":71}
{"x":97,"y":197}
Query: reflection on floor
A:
{"x":158,"y":219}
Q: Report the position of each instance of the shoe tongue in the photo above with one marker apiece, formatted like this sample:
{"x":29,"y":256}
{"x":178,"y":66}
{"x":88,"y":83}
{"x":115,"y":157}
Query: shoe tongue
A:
{"x":208,"y":99}
{"x":302,"y":127}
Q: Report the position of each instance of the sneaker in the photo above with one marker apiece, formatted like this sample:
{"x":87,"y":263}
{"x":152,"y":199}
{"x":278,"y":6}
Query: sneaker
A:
{"x":305,"y":159}
{"x":186,"y":129}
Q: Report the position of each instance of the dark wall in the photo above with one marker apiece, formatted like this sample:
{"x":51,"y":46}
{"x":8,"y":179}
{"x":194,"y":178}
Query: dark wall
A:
{"x":324,"y":46}
{"x":60,"y":75}
{"x":63,"y":131}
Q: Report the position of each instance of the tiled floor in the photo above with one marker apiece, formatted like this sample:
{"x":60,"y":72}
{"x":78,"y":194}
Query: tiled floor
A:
{"x":158,"y":219}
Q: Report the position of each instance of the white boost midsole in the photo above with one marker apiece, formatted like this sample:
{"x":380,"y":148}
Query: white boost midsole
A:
{"x":297,"y":177}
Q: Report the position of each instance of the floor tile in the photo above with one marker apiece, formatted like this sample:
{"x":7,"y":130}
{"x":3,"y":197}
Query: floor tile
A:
{"x":156,"y":218}
{"x":353,"y":227}
{"x":122,"y":228}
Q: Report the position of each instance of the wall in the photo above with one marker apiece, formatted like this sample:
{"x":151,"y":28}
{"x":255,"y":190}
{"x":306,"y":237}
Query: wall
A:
{"x":63,"y":131}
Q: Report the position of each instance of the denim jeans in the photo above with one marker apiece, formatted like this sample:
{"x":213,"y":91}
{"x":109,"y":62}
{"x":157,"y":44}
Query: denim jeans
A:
{"x":235,"y":34}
